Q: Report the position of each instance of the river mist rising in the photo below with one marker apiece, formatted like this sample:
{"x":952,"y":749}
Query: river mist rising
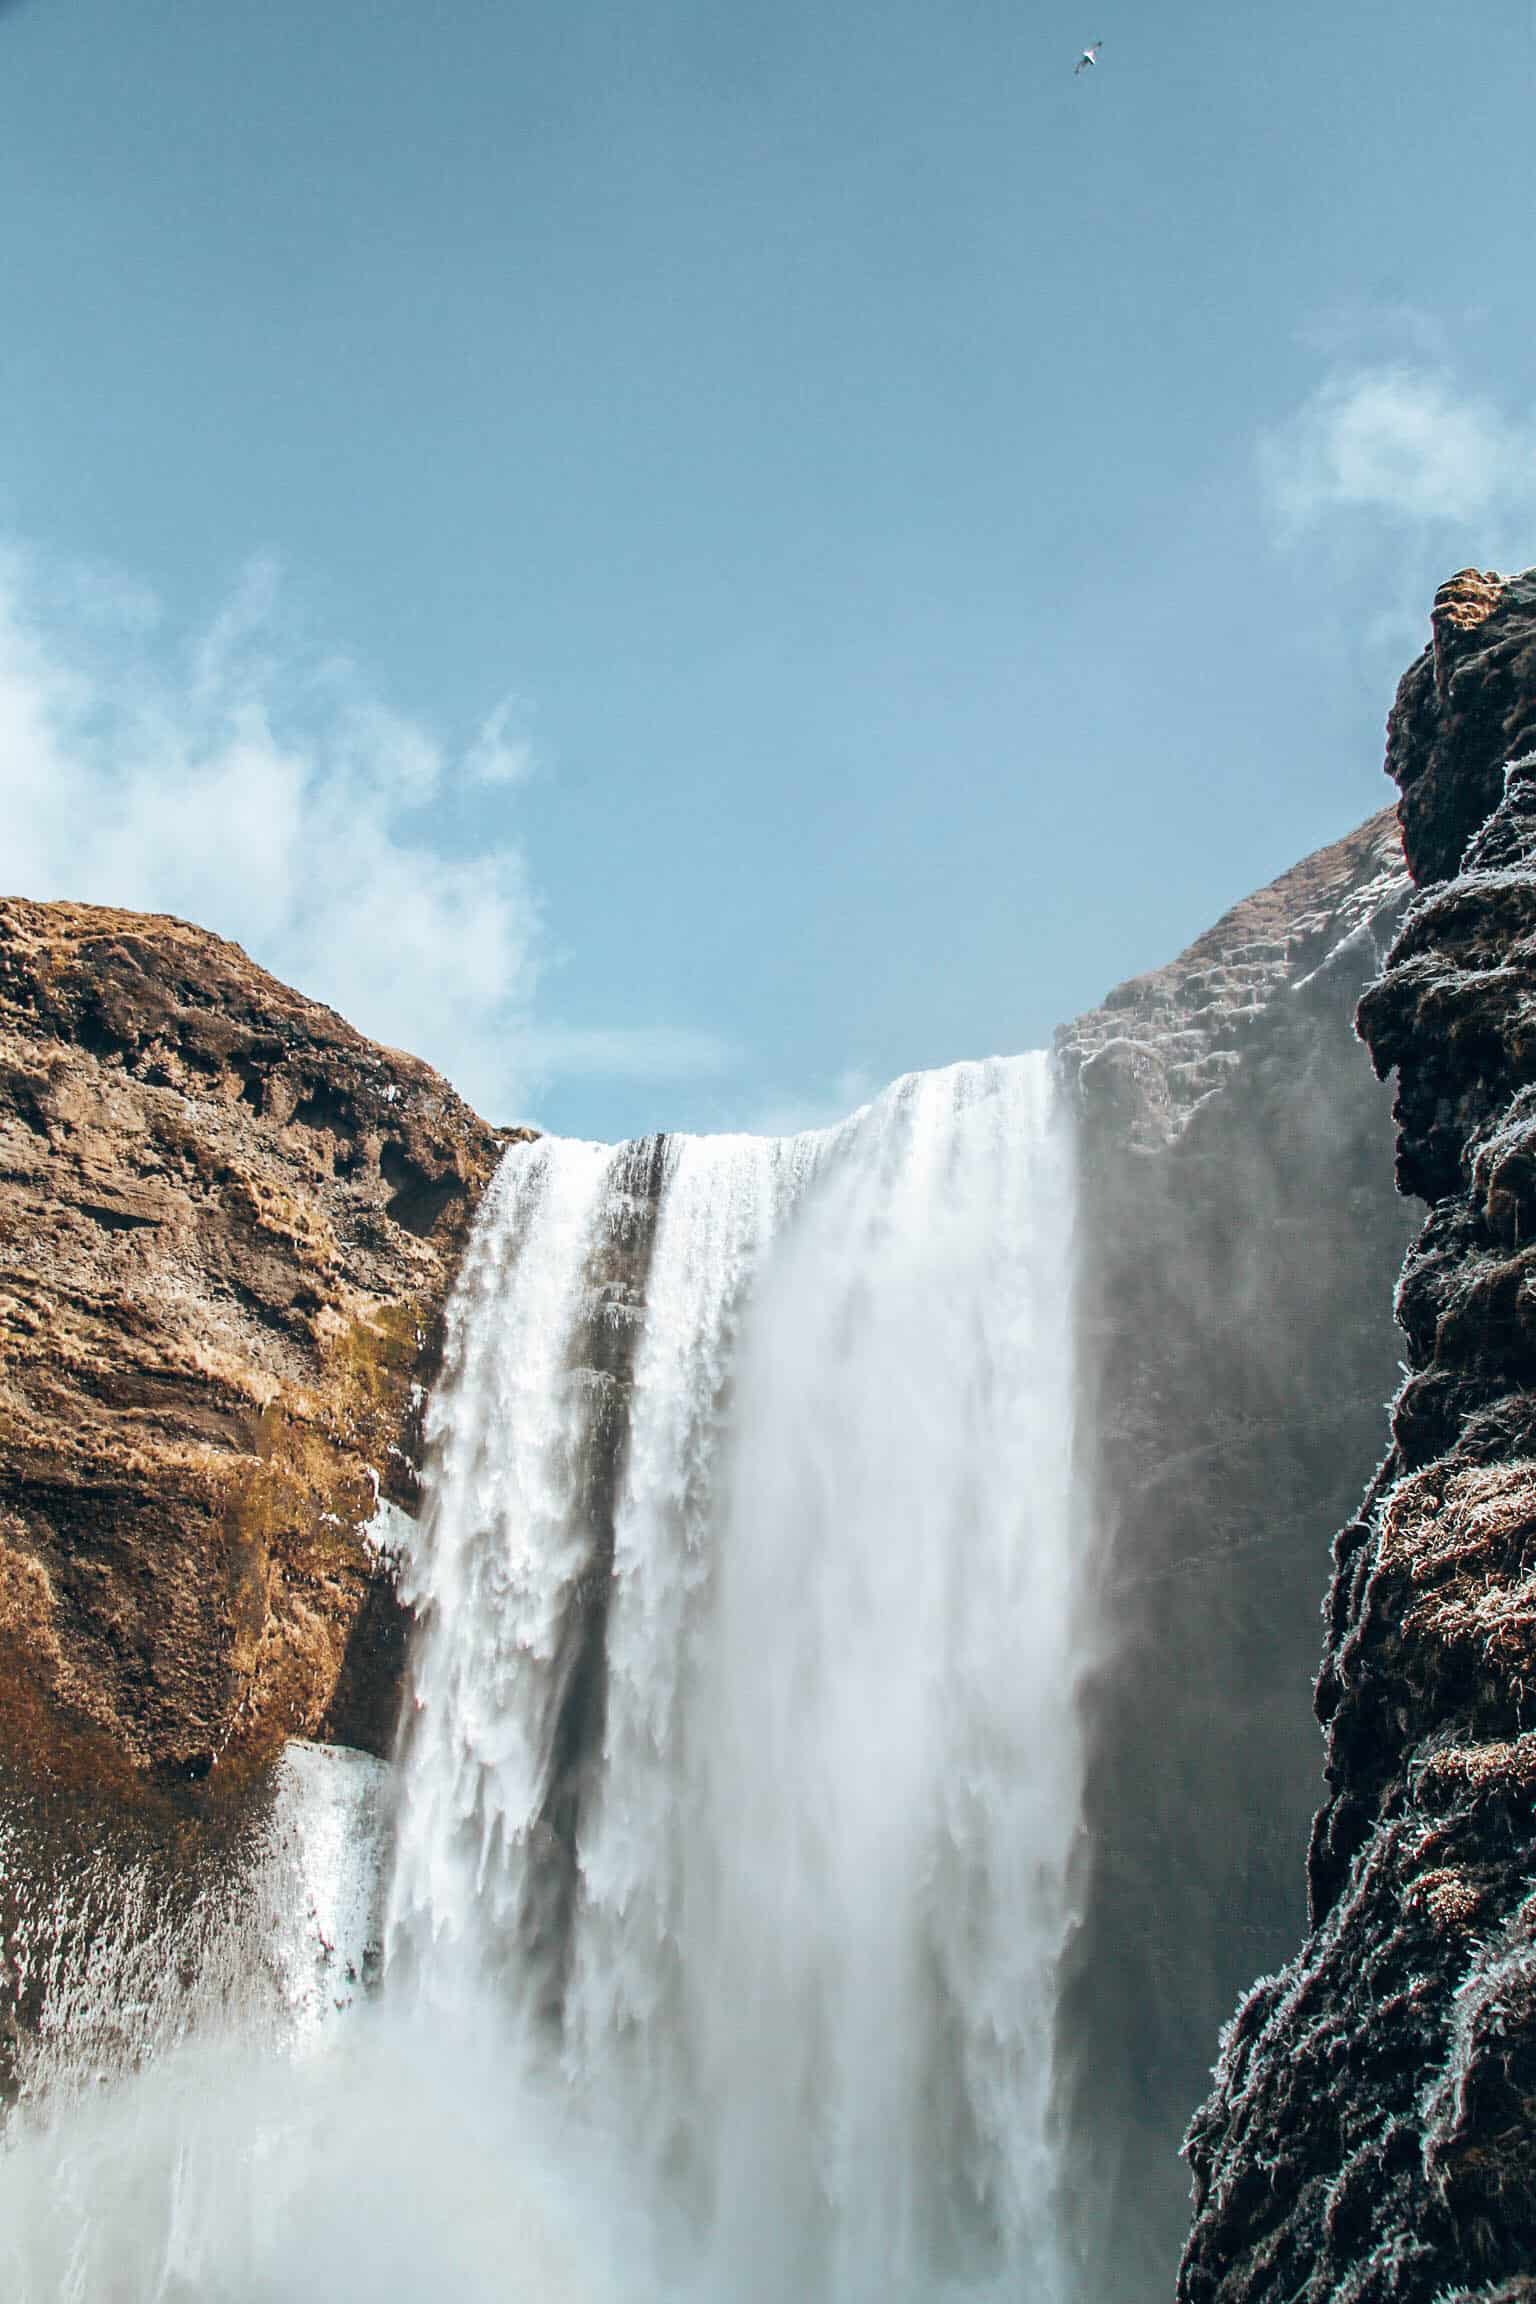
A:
{"x":740,"y":1789}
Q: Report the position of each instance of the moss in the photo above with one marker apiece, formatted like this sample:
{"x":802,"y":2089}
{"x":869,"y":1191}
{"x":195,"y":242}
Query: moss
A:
{"x":379,"y":1351}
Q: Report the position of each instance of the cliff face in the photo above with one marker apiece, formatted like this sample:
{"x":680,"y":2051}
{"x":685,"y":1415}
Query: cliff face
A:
{"x":1239,"y":1241}
{"x":228,"y":1224}
{"x":1372,"y":2133}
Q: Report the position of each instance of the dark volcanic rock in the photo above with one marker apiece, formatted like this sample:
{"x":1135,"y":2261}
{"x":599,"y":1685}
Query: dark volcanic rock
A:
{"x":1465,"y":707}
{"x":1239,"y":1243}
{"x":1372,"y":2134}
{"x":228,"y":1223}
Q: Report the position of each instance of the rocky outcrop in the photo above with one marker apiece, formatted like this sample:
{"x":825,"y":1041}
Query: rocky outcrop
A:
{"x":228,"y":1224}
{"x":1463,"y":709}
{"x":1372,"y":2133}
{"x":1239,"y":1241}
{"x":1245,"y":995}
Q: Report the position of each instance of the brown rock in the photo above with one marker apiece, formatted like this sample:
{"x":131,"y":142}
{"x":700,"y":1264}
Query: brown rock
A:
{"x":228,"y":1224}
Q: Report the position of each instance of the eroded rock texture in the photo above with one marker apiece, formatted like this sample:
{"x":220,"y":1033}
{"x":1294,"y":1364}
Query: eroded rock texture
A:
{"x":228,"y":1223}
{"x":1240,"y":1239}
{"x":1372,"y":2134}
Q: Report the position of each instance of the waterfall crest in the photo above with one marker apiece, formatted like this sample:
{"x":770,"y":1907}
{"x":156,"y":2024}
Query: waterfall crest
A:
{"x":744,"y":1764}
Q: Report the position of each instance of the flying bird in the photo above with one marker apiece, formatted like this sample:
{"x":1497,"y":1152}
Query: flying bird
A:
{"x":1089,"y":56}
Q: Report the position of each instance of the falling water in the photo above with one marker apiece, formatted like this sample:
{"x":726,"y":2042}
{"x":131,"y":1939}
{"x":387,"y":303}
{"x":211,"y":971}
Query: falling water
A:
{"x":744,"y":1757}
{"x":737,"y":1806}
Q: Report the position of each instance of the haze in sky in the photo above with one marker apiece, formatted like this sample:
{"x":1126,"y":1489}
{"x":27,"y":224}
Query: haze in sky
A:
{"x":683,"y":560}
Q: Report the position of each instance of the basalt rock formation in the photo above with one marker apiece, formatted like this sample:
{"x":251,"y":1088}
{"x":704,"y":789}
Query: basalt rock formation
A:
{"x":1239,"y":1241}
{"x":228,"y":1224}
{"x":1371,"y":2138}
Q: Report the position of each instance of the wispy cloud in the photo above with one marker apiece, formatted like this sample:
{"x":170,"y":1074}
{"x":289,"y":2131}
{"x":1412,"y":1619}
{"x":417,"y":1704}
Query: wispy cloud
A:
{"x":500,"y":753}
{"x":782,"y":1114}
{"x":240,"y":777}
{"x":233,"y":776}
{"x":1391,"y":473}
{"x":635,"y":1052}
{"x":1402,"y":444}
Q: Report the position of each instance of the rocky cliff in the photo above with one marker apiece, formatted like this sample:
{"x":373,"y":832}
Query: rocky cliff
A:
{"x":1240,"y":1239}
{"x":227,"y":1229}
{"x":228,"y":1224}
{"x":1372,"y":2132}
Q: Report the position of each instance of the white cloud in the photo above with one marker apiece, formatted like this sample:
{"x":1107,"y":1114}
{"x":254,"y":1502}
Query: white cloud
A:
{"x":235,"y":780}
{"x":1401,"y":444}
{"x":240,"y":778}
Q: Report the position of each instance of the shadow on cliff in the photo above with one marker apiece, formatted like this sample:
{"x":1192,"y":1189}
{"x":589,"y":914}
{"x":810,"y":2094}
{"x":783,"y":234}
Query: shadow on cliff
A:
{"x":1239,"y":1238}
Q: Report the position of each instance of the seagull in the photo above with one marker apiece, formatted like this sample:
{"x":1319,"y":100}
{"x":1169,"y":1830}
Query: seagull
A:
{"x":1088,"y":56}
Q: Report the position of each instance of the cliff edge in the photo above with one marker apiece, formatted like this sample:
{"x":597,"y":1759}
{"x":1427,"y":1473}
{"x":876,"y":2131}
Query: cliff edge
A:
{"x":228,"y":1225}
{"x":1371,"y":2137}
{"x":1238,"y":1243}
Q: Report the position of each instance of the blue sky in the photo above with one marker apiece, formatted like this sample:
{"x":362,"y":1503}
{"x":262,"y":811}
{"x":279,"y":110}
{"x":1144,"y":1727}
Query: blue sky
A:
{"x":684,"y":560}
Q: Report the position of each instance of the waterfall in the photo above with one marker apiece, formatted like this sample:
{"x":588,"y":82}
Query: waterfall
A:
{"x":734,"y":1821}
{"x":744,"y":1766}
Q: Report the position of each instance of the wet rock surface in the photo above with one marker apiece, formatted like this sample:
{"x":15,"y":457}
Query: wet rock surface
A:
{"x":1239,"y":1242}
{"x":1372,"y":2132}
{"x":228,"y":1224}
